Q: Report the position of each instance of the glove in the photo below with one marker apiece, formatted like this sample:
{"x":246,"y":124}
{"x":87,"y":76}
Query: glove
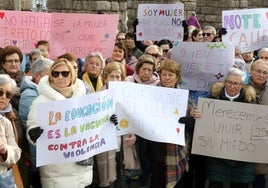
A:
{"x":189,"y":123}
{"x":222,"y":31}
{"x":114,"y":119}
{"x":35,"y":133}
{"x":184,"y":24}
{"x":135,"y":23}
{"x":186,"y":120}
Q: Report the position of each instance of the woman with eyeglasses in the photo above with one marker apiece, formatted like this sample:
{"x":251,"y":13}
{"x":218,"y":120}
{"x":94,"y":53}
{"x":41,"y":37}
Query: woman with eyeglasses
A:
{"x":219,"y":171}
{"x":7,"y":89}
{"x":258,"y":79}
{"x":61,"y":83}
{"x":11,"y":58}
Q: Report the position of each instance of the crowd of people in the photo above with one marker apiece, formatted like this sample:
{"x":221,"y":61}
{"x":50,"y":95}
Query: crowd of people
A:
{"x":29,"y":79}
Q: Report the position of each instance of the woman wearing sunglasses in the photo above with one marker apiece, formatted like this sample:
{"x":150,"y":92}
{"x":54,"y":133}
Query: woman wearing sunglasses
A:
{"x":8,"y":88}
{"x":61,"y":83}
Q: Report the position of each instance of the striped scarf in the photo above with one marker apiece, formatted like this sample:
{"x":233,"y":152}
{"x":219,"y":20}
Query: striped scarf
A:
{"x":176,"y":161}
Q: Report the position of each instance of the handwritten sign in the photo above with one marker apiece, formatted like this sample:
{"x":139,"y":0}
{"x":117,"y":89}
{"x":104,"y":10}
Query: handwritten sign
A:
{"x":231,"y":130}
{"x":79,"y":34}
{"x":75,"y":129}
{"x":246,"y":28}
{"x":151,"y":112}
{"x":23,"y":29}
{"x":160,"y":21}
{"x":203,"y":63}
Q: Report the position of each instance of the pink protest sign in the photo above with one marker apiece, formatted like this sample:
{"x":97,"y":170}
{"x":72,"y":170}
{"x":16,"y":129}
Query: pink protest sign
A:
{"x":23,"y":29}
{"x":81,"y":34}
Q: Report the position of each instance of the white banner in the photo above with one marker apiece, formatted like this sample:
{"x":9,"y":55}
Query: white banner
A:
{"x":203,"y":63}
{"x":160,"y":21}
{"x":76,"y":129}
{"x":246,"y":28}
{"x":151,"y":112}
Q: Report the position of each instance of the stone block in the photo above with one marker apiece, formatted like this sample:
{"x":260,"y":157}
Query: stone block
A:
{"x":122,"y":6}
{"x":77,"y":5}
{"x":114,"y":6}
{"x":102,"y":6}
{"x":85,"y":5}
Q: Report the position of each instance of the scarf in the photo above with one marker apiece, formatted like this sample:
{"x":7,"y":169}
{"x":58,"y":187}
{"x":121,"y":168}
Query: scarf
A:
{"x":67,"y":92}
{"x":87,"y":79}
{"x":176,"y":162}
{"x":106,"y":167}
{"x":259,"y":89}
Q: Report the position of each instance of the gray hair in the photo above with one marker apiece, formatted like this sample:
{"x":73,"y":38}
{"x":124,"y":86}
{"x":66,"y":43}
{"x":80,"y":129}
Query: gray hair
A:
{"x":209,"y":27}
{"x":237,"y":72}
{"x":262,"y":50}
{"x":5,"y":78}
{"x":36,"y":52}
{"x":40,"y":65}
{"x":94,"y":54}
{"x":157,"y":48}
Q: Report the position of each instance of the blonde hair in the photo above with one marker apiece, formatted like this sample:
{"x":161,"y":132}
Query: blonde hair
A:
{"x":110,"y":67}
{"x":63,"y":61}
{"x":172,"y":66}
{"x":257,"y":62}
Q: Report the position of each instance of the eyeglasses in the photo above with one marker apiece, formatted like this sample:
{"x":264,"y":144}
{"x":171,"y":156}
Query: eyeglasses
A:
{"x":56,"y":74}
{"x":235,"y":84}
{"x":10,"y":61}
{"x":258,"y":71}
{"x":208,"y":34}
{"x":154,"y":55}
{"x":7,"y":94}
{"x":200,"y":34}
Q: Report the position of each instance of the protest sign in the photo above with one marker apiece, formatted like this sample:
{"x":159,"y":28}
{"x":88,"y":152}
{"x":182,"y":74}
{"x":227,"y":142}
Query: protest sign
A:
{"x":160,"y":21}
{"x":231,"y":130}
{"x":23,"y":29}
{"x":75,"y":129}
{"x":246,"y":28}
{"x":79,"y":34}
{"x":151,"y":112}
{"x":203,"y":63}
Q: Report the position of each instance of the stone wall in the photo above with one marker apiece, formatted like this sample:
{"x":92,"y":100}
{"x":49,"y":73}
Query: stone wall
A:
{"x":208,"y":11}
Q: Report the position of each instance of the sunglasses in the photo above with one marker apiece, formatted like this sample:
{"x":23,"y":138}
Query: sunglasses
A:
{"x":56,"y":74}
{"x":165,"y":51}
{"x":120,"y":39}
{"x":208,"y":34}
{"x":154,"y":55}
{"x":8,"y":94}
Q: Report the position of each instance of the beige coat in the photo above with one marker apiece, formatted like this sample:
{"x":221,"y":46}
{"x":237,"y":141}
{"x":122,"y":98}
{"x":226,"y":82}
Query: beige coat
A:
{"x":8,"y":138}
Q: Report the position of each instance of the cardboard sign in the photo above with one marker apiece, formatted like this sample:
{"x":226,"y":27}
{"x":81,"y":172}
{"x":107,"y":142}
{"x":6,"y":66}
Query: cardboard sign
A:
{"x":231,"y":130}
